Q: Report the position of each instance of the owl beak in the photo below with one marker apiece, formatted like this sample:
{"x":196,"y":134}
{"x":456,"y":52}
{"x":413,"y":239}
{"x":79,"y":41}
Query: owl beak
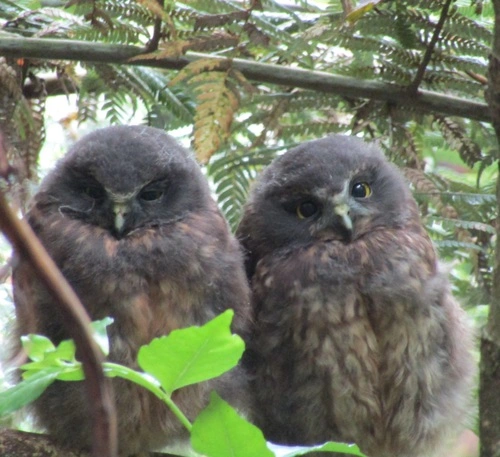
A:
{"x":342,"y":210}
{"x":120,"y":210}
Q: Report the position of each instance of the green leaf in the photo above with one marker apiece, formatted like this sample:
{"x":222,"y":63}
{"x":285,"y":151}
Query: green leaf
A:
{"x":63,"y":356}
{"x":193,"y":354}
{"x":36,"y":346}
{"x":74,"y":373}
{"x":220,"y":432}
{"x":27,"y":391}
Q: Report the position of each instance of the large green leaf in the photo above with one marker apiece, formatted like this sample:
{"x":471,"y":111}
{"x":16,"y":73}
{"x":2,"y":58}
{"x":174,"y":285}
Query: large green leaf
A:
{"x":219,"y":432}
{"x":28,"y":390}
{"x":193,"y":354}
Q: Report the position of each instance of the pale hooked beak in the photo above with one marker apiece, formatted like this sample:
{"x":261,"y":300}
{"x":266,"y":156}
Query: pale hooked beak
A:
{"x":342,"y":210}
{"x":120,"y":210}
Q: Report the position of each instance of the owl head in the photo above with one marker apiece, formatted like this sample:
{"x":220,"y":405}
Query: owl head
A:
{"x":124,"y":178}
{"x":335,"y":188}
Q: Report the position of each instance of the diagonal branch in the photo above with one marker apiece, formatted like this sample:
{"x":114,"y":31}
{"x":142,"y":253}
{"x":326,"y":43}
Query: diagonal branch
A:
{"x":424,"y":101}
{"x":23,"y":239}
{"x":413,"y":87}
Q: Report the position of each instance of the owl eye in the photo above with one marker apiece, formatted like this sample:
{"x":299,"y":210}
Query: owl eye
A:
{"x":361,"y":190}
{"x":306,"y":209}
{"x":94,"y":192}
{"x":150,"y":195}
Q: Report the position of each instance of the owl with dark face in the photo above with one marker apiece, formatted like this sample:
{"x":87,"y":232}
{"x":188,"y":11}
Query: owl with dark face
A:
{"x":128,"y":218}
{"x":357,"y":338}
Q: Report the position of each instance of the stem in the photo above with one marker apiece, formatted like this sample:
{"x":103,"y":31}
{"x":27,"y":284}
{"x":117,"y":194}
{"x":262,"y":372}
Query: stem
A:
{"x":430,"y":49}
{"x":115,"y":370}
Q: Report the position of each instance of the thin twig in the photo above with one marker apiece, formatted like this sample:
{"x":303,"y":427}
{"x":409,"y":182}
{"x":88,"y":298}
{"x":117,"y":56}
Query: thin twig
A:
{"x":155,"y":39}
{"x":27,"y":245}
{"x":413,"y":87}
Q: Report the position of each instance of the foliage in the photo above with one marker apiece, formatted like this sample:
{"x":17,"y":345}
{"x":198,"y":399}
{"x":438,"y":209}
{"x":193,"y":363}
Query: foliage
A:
{"x":238,"y":126}
{"x":184,"y":357}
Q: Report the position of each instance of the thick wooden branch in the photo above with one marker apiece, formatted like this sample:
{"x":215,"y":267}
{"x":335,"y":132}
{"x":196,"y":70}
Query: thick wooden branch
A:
{"x":14,"y":443}
{"x":22,"y":444}
{"x":424,"y":101}
{"x":489,"y":385}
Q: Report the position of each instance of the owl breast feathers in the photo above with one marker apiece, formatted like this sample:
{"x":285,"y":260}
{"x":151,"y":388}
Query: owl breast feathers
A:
{"x":128,"y":217}
{"x":357,"y":337}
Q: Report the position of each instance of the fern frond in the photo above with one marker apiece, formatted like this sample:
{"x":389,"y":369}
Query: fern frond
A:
{"x":21,"y":120}
{"x":460,"y":45}
{"x":457,"y":138}
{"x":212,"y":21}
{"x":453,"y":83}
{"x":198,"y":67}
{"x":457,"y":245}
{"x":459,"y":63}
{"x":172,"y":100}
{"x":311,"y":129}
{"x":217,"y":103}
{"x":232,"y":172}
{"x":468,"y":225}
{"x":459,"y":24}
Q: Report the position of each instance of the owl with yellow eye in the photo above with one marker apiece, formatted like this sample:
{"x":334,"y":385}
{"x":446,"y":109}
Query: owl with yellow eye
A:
{"x":357,"y":336}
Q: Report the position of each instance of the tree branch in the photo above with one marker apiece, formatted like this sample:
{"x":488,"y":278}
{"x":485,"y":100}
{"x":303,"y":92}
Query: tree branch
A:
{"x":27,"y":245}
{"x":425,"y":101}
{"x":16,"y":443}
{"x":489,"y":382}
{"x":413,"y":87}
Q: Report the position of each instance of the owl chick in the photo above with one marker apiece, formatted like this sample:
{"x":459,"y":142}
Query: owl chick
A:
{"x":128,"y":217}
{"x":358,"y":338}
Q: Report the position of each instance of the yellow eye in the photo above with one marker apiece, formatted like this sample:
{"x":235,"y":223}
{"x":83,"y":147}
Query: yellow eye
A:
{"x":361,"y":190}
{"x":306,"y":209}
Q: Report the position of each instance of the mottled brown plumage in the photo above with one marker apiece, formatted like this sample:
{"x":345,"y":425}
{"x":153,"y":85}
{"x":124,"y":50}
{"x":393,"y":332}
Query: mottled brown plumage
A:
{"x":128,"y":217}
{"x":358,"y":337}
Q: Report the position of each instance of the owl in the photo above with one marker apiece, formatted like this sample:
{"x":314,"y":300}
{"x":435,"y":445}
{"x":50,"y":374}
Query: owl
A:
{"x":128,"y":217}
{"x":357,"y":336}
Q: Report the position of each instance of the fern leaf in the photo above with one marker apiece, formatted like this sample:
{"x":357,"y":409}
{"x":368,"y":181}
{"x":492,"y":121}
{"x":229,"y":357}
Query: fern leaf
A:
{"x":457,"y":138}
{"x":211,"y":21}
{"x":214,"y":114}
{"x":197,"y":67}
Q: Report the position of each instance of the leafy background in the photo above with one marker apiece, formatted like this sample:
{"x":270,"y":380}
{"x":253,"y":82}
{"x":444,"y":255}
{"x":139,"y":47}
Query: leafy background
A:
{"x":237,"y":124}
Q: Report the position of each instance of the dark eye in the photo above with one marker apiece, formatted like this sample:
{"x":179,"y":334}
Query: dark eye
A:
{"x":150,"y":195}
{"x":95,"y":192}
{"x":306,"y":209}
{"x":361,"y":190}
